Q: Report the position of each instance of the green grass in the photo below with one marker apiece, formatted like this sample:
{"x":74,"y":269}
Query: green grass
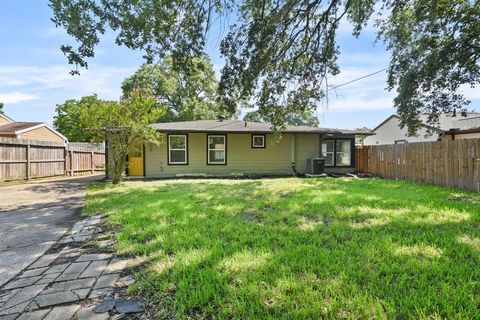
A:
{"x":297,"y":248}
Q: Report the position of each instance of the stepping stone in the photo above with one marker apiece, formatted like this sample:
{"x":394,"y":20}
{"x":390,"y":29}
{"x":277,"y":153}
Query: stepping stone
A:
{"x":23,"y":282}
{"x":70,"y":285}
{"x":55,"y":298}
{"x":58,"y":268}
{"x":105,"y":306}
{"x":48,"y":278}
{"x":33,"y":272}
{"x":73,"y":271}
{"x":62,"y":313}
{"x":7,"y":295}
{"x":35,"y":315}
{"x":44,"y":261}
{"x":77,"y":267}
{"x":21,"y":300}
{"x":88,"y":314}
{"x":116,"y":265}
{"x":125,"y":281}
{"x":106,"y":281}
{"x":129,"y":306}
{"x":94,"y":256}
{"x":100,"y":293}
{"x":94,"y":269}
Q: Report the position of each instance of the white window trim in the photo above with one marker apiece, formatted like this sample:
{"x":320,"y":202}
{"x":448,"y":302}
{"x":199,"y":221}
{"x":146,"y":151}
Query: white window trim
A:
{"x":330,"y":152}
{"x":178,"y":149}
{"x":253,"y":141}
{"x":349,"y":154}
{"x":224,"y":148}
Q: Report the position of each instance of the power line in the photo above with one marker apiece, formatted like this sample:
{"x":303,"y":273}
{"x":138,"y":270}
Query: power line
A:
{"x":357,"y":79}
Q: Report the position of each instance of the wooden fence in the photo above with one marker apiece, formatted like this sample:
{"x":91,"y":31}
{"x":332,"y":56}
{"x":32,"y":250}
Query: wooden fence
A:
{"x":26,"y":159}
{"x":449,"y":163}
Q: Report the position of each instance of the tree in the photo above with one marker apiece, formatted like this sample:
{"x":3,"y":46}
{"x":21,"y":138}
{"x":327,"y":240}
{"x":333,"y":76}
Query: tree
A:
{"x":186,"y":94}
{"x":1,"y":108}
{"x":280,"y":54}
{"x":67,"y":118}
{"x":124,"y":124}
{"x":293,"y":119}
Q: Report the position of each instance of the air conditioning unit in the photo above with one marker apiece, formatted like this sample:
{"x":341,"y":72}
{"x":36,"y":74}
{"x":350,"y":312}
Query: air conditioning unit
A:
{"x":316,"y":166}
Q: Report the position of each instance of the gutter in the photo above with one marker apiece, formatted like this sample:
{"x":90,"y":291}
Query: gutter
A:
{"x":294,"y":149}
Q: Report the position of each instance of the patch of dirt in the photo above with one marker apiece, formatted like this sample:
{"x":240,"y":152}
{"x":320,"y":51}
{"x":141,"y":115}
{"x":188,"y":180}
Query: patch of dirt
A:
{"x":466,"y":199}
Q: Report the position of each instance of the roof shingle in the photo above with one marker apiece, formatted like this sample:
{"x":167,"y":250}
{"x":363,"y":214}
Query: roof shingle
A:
{"x":12,"y":128}
{"x":239,"y":126}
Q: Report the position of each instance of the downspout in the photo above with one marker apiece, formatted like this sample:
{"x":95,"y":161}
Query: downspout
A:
{"x":293,"y":154}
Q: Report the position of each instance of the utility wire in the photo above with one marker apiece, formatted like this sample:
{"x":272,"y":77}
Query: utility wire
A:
{"x":357,"y":79}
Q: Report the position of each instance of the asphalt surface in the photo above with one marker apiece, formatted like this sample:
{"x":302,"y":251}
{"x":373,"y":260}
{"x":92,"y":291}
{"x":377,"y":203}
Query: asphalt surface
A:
{"x":35,"y":216}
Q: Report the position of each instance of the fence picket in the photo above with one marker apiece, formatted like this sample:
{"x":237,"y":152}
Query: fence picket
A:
{"x":449,"y":163}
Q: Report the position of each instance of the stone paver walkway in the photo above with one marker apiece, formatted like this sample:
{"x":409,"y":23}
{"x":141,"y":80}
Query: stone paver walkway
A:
{"x":67,"y":282}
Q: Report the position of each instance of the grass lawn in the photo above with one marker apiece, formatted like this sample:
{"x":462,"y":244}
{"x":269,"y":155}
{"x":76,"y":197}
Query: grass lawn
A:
{"x":298,"y":248}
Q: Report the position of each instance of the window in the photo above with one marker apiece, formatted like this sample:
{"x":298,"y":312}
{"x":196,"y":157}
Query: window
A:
{"x":343,"y":153}
{"x":177,"y":149}
{"x":216,"y":145}
{"x":327,"y":152}
{"x":337,"y":152}
{"x":258,"y":141}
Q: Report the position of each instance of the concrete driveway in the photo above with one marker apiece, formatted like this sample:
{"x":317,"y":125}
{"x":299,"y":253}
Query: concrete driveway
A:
{"x":33,"y":217}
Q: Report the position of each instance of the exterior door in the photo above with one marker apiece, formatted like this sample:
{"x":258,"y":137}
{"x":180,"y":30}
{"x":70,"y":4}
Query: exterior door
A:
{"x":135,"y":162}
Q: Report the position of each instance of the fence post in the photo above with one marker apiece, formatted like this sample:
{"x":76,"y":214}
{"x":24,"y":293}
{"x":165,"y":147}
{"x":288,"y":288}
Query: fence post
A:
{"x":65,"y":157}
{"x":92,"y":155}
{"x":71,"y":163}
{"x":28,"y":171}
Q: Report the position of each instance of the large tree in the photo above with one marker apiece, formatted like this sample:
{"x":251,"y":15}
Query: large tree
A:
{"x":279,"y":54}
{"x":186,"y":93}
{"x":67,"y":118}
{"x":293,"y":118}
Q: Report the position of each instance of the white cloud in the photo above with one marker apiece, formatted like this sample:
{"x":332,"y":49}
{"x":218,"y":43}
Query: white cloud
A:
{"x":16,"y":97}
{"x":103,"y":80}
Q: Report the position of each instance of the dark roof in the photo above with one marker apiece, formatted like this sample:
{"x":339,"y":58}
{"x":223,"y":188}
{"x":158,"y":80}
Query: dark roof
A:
{"x":13,"y":127}
{"x":240,"y":126}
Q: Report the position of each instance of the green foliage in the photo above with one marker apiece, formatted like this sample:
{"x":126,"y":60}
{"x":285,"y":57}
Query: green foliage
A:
{"x":279,"y":54}
{"x":435,"y":49}
{"x":294,"y":119}
{"x":186,"y":93}
{"x":1,"y":108}
{"x":67,"y":120}
{"x":124,"y":124}
{"x":298,"y":248}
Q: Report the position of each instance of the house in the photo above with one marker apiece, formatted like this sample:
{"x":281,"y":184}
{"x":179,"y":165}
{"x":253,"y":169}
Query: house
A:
{"x":450,"y":126}
{"x":239,"y":148}
{"x":38,"y":131}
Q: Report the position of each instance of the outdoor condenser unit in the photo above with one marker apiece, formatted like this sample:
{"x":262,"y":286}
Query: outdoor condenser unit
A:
{"x":316,"y":166}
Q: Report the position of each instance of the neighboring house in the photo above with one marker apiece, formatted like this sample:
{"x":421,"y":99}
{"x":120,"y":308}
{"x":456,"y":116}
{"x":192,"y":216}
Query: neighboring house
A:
{"x":38,"y":131}
{"x":237,"y":148}
{"x":450,"y":126}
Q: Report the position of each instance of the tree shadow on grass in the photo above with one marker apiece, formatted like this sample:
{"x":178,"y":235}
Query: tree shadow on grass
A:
{"x":296,"y":248}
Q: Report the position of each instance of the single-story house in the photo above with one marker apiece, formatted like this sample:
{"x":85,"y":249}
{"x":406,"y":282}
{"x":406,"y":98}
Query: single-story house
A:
{"x":451,"y":126}
{"x":37,"y":131}
{"x":240,"y":148}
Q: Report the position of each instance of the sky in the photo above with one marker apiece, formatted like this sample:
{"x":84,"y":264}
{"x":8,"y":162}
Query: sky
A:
{"x":34,"y":73}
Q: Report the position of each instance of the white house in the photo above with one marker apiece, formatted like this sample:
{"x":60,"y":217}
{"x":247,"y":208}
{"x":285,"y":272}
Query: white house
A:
{"x":450,"y":126}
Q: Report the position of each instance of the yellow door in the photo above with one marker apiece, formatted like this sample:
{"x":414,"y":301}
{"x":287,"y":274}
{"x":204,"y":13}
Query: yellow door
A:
{"x":135,"y":162}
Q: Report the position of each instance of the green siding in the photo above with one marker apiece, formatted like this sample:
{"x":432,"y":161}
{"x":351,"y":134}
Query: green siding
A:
{"x":275,"y":159}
